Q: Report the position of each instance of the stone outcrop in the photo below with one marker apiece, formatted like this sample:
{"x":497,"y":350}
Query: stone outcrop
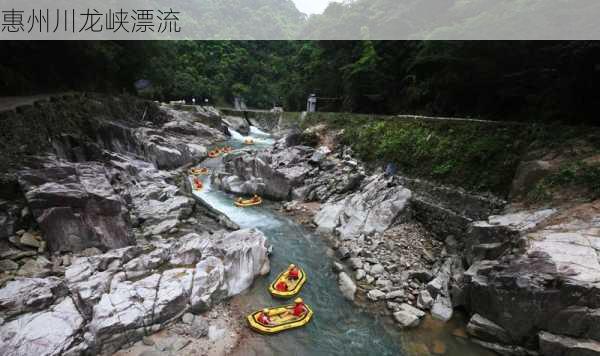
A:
{"x":548,"y":285}
{"x":555,"y":345}
{"x":290,"y":172}
{"x":157,"y":204}
{"x":237,"y":123}
{"x":489,"y":239}
{"x":378,"y":205}
{"x":246,"y":173}
{"x":25,"y":295}
{"x":117,"y":297}
{"x":45,"y":333}
{"x":117,"y":250}
{"x":76,"y":206}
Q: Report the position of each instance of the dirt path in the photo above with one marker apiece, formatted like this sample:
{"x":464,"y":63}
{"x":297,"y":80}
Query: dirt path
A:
{"x":8,"y":103}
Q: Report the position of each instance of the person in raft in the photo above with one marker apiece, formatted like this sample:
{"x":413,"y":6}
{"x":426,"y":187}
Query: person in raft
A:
{"x":255,"y":198}
{"x":197,"y":182}
{"x":299,"y":308}
{"x":281,"y":286}
{"x":293,"y":272}
{"x":264,"y":318}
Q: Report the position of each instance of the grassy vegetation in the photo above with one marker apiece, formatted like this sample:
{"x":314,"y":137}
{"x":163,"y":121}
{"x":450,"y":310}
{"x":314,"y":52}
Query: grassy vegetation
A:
{"x":477,"y":156}
{"x":576,"y":176}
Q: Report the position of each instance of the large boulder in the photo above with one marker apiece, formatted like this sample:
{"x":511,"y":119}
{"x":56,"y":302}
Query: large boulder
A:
{"x":24,"y":295}
{"x":208,"y":284}
{"x":488,"y":239}
{"x":237,"y":123}
{"x":271,"y":174}
{"x":45,"y":333}
{"x":244,"y":256}
{"x":76,"y":207}
{"x":486,"y":330}
{"x":553,"y":283}
{"x":347,"y":286}
{"x":127,"y":292}
{"x":556,"y":345}
{"x":157,"y":203}
{"x":374,"y":208}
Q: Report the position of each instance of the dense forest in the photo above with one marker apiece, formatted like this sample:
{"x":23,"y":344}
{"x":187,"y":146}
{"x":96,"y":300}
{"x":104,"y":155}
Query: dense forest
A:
{"x":505,"y":80}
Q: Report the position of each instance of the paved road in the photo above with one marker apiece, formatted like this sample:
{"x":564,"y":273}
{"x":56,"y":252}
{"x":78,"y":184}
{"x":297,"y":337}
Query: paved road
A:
{"x":8,"y":103}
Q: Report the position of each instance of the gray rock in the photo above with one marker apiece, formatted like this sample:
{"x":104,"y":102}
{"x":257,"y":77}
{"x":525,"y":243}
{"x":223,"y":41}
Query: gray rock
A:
{"x":239,"y":124}
{"x":375,"y":295}
{"x":57,"y":327}
{"x":244,"y":254}
{"x":412,"y":310}
{"x":508,"y":350}
{"x":556,"y":345}
{"x":153,"y":353}
{"x":406,"y":319}
{"x":439,"y":285}
{"x":25,"y":295}
{"x":90,"y":251}
{"x":337,"y":267}
{"x":424,"y":301}
{"x":442,"y":308}
{"x":384,"y":284}
{"x":188,"y":318}
{"x":347,"y":286}
{"x":28,"y":239}
{"x":215,"y":333}
{"x":272,"y":175}
{"x":423,"y":276}
{"x":40,"y":267}
{"x":486,"y":330}
{"x":327,"y":218}
{"x":8,"y":265}
{"x":360,"y":274}
{"x":173,"y":294}
{"x":355,"y":263}
{"x":376,"y":270}
{"x":395,"y":294}
{"x":208,"y":284}
{"x":76,"y":206}
{"x":199,"y":327}
{"x":371,"y":210}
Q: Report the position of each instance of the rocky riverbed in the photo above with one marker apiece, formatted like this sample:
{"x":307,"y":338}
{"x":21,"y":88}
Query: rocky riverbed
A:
{"x":526,"y":278}
{"x":100,"y":238}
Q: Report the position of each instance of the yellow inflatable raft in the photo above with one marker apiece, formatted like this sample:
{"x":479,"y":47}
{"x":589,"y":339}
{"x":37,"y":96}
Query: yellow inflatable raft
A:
{"x":199,"y":171}
{"x":241,"y":203}
{"x":248,"y":141}
{"x":293,"y":285}
{"x":213,"y":154}
{"x":282,"y":319}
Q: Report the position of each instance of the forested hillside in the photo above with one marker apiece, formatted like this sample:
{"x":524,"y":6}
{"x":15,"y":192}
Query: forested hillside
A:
{"x":505,"y":80}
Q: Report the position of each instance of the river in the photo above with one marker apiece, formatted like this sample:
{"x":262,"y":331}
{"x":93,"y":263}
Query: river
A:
{"x":338,"y":327}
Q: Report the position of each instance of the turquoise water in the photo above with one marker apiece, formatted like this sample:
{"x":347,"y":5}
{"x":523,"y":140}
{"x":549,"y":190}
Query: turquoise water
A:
{"x":338,"y":327}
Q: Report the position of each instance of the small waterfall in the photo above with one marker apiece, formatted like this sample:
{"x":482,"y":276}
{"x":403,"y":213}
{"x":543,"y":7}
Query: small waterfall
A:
{"x":256,"y":131}
{"x":256,"y":134}
{"x":236,"y":135}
